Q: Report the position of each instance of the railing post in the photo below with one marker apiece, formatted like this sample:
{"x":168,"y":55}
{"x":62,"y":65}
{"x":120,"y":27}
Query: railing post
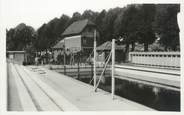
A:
{"x":113,"y":63}
{"x":94,"y":61}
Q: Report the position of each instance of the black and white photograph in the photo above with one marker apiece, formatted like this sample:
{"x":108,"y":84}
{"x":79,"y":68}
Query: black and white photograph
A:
{"x":91,"y":55}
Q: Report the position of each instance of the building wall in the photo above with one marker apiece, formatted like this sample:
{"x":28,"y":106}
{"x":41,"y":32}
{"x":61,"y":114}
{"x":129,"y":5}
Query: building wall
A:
{"x":73,"y":43}
{"x":171,"y":59}
{"x":17,"y":57}
{"x":88,"y":37}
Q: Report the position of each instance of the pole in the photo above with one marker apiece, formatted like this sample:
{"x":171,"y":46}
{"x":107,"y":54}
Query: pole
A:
{"x":78,"y":69}
{"x":113,"y":62}
{"x":94,"y":61}
{"x":64,"y":63}
{"x":91,"y":70}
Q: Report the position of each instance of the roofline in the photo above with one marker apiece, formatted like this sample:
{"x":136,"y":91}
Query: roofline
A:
{"x":93,"y":24}
{"x":56,"y":48}
{"x":67,"y":35}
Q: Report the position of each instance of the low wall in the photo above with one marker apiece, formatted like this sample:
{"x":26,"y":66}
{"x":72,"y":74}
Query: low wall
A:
{"x":169,"y":59}
{"x":17,"y":56}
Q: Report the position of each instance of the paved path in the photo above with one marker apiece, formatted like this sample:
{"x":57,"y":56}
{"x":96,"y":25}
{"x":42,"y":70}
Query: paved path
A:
{"x":66,"y":94}
{"x":166,"y":78}
{"x":14,"y":103}
{"x":83,"y":96}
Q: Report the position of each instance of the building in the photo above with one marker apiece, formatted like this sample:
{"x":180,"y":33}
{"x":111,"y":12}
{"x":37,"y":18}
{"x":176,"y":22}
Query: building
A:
{"x":105,"y":48}
{"x":79,"y":36}
{"x":17,"y":56}
{"x":58,"y":49}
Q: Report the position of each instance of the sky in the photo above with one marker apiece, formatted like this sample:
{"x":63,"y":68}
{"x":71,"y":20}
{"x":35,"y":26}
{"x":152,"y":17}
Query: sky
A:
{"x":37,"y":12}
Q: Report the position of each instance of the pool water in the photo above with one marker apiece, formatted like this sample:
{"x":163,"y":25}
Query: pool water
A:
{"x":157,"y":98}
{"x":162,"y":100}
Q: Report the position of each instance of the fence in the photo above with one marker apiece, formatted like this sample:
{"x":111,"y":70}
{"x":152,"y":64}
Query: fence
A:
{"x":168,"y":59}
{"x":79,"y":71}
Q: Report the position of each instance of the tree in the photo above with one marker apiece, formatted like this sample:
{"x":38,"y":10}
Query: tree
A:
{"x":127,"y":26}
{"x":146,"y":18}
{"x":10,"y":45}
{"x":75,"y":17}
{"x":166,"y":25}
{"x":20,"y":37}
{"x":108,"y":26}
{"x":41,"y":41}
{"x":89,"y":14}
{"x":50,"y":33}
{"x":100,"y":23}
{"x":62,"y":25}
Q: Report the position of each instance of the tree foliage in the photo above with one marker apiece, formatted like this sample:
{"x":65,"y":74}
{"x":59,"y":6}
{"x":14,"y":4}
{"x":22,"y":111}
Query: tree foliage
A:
{"x":20,"y":37}
{"x":49,"y":34}
{"x":167,"y":26}
{"x":89,"y":14}
{"x":100,"y":26}
{"x":128,"y":25}
{"x":134,"y":23}
{"x":146,"y":33}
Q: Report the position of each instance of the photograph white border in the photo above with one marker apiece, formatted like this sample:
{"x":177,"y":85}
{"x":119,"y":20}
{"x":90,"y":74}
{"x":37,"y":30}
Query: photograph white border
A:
{"x":3,"y":74}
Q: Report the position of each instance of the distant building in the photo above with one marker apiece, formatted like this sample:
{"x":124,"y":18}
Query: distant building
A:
{"x":58,"y":49}
{"x":17,"y":56}
{"x":77,"y":37}
{"x":104,"y":49}
{"x":80,"y":35}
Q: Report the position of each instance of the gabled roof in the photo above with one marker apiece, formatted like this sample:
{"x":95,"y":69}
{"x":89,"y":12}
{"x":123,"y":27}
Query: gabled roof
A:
{"x":107,"y":46}
{"x":59,"y":45}
{"x":77,"y":27}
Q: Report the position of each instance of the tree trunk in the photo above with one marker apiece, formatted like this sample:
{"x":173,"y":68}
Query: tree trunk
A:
{"x":133,"y":46}
{"x":145,"y":47}
{"x":165,"y":48}
{"x":46,"y":56}
{"x":126,"y":52}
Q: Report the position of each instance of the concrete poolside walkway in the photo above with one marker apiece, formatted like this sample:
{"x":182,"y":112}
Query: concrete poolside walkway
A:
{"x":82,"y":95}
{"x":51,"y":91}
{"x":14,"y":103}
{"x":166,"y":78}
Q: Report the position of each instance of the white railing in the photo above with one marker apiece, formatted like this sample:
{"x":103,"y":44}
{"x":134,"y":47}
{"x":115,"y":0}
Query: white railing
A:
{"x":171,"y":59}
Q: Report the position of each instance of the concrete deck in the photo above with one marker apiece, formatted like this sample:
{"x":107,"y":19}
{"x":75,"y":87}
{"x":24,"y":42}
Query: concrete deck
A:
{"x":165,"y":78}
{"x":50,"y":90}
{"x":14,"y":103}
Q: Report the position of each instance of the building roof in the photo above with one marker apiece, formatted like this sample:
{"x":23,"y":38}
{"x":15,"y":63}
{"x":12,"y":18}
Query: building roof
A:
{"x":59,"y":45}
{"x":77,"y":27}
{"x":108,"y":46}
